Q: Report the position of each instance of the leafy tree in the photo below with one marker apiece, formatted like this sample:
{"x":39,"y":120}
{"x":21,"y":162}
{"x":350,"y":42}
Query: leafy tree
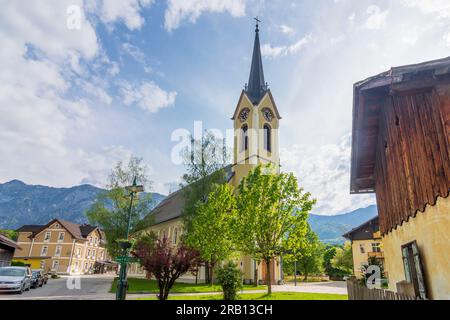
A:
{"x":111,"y":209}
{"x":343,"y":259}
{"x":272,"y":211}
{"x":165,"y":262}
{"x":328,"y":255}
{"x":10,"y":234}
{"x":230,"y":278}
{"x":307,"y":252}
{"x":211,"y":233}
{"x":204,"y":162}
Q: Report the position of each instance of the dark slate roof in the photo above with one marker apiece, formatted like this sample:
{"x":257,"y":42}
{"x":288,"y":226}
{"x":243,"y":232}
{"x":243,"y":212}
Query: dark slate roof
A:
{"x":256,"y":87}
{"x":5,"y":241}
{"x":172,"y":206}
{"x":365,"y":231}
{"x":77,"y":231}
{"x":30,"y":228}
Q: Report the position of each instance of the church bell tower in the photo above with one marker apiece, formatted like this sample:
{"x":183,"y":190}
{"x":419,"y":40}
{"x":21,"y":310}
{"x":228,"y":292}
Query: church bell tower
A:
{"x":256,"y":121}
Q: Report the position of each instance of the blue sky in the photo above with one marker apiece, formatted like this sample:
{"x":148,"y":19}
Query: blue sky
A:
{"x":74,"y":101}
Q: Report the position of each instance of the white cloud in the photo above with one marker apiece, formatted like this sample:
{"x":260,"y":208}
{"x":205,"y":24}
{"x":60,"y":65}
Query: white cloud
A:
{"x":269,"y":51}
{"x":286,"y":29}
{"x":376,"y":18}
{"x":126,"y":11}
{"x":441,"y":8}
{"x":148,"y":96}
{"x":325,"y":172}
{"x":179,"y":10}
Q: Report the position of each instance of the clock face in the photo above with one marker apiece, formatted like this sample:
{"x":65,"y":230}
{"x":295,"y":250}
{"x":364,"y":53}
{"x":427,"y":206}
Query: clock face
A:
{"x":268,"y":115}
{"x":244,"y":115}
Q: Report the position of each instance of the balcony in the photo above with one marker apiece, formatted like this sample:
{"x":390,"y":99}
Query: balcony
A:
{"x":378,"y":255}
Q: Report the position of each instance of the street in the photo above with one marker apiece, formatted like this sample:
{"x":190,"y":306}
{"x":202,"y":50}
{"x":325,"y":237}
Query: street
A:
{"x":68,"y":288}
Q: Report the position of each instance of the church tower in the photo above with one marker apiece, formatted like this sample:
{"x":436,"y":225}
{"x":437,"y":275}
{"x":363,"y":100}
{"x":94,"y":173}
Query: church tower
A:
{"x":256,"y":121}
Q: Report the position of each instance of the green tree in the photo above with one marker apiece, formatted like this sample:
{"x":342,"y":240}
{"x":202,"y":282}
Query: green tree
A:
{"x":307,"y":252}
{"x":10,"y":234}
{"x":204,"y":162}
{"x":272,"y":211}
{"x":211,"y":233}
{"x":343,"y":259}
{"x":110,"y":211}
{"x":328,"y":255}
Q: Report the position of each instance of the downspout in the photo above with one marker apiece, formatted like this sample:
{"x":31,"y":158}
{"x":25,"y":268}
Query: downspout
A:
{"x":31,"y":247}
{"x":71,"y":257}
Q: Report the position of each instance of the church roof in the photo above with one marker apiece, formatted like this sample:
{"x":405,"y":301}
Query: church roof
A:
{"x":172,"y":207}
{"x":256,"y":87}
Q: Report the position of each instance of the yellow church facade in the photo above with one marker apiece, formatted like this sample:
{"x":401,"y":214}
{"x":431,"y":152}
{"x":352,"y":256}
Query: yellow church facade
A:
{"x":256,"y":122}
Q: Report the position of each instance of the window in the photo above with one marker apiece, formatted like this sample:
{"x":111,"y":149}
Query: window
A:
{"x":61,"y":236}
{"x":93,"y":254}
{"x":175,"y":235}
{"x":102,"y":255}
{"x":78,"y":252}
{"x":86,"y":266}
{"x":244,"y":138}
{"x":90,"y":241}
{"x":44,"y":251}
{"x":56,"y":225}
{"x":362,"y":249}
{"x":88,"y":254}
{"x":55,"y":265}
{"x":412,"y":265}
{"x":267,"y":138}
{"x":47,"y":236}
{"x":58,"y":251}
{"x":376,"y":247}
{"x":95,"y":241}
{"x":42,"y":264}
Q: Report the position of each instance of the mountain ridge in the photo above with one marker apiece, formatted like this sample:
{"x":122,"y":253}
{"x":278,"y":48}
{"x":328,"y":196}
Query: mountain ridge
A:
{"x":21,"y":204}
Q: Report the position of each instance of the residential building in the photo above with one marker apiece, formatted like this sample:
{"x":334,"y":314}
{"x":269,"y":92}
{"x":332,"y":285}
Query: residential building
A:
{"x":366,"y":245}
{"x":256,"y":121}
{"x":61,"y":246}
{"x":7,"y":249}
{"x":401,"y":152}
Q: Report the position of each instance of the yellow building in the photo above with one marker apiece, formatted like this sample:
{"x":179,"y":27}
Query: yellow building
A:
{"x":401,"y":152}
{"x":61,"y":246}
{"x":366,"y":245}
{"x":256,"y":122}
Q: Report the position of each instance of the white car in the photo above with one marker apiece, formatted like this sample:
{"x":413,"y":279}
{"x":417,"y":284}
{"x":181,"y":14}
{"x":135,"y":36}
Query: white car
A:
{"x":15,"y":279}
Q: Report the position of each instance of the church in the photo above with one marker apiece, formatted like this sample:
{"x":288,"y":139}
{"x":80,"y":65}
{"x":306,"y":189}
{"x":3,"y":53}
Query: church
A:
{"x":256,"y":121}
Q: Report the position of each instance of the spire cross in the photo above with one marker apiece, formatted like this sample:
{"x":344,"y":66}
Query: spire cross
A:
{"x":257,"y":23}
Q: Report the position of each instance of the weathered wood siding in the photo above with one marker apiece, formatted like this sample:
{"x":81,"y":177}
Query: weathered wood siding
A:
{"x":413,"y":155}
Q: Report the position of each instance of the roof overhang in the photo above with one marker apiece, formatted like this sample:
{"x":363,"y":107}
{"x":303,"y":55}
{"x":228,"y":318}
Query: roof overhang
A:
{"x":369,"y":98}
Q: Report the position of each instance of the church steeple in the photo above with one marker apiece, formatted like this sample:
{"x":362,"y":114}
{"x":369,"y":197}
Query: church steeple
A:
{"x":256,"y":87}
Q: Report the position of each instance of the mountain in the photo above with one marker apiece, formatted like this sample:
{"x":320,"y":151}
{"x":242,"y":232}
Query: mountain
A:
{"x":331,"y":228}
{"x":28,"y":204}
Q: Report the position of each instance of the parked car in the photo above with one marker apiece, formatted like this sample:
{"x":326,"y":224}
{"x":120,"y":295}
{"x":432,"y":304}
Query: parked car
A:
{"x":37,"y":279}
{"x":15,"y":279}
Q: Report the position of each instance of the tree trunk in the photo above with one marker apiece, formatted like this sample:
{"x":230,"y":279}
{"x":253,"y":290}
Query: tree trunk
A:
{"x":268,"y":282}
{"x":196,"y":276}
{"x":207,"y":278}
{"x":255,"y":275}
{"x":306,"y":276}
{"x":212,"y":274}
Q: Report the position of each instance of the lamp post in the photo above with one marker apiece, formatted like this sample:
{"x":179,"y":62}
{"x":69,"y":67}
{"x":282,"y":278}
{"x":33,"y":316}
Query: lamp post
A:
{"x":126,"y":245}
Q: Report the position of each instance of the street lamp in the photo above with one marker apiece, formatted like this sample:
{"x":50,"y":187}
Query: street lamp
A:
{"x":126,"y":245}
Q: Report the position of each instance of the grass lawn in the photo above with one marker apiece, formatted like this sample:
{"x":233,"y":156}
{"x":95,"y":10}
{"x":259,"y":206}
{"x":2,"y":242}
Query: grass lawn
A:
{"x":290,"y":279}
{"x":137,"y":285}
{"x":263,"y":296}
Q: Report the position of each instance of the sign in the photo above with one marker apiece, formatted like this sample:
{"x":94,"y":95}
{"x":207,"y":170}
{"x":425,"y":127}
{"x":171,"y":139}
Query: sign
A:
{"x":127,"y":259}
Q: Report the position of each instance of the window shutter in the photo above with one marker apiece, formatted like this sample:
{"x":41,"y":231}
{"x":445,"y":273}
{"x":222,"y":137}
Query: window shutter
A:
{"x":419,"y":271}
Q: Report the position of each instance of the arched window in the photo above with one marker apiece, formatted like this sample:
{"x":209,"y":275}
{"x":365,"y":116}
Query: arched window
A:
{"x":267,"y":138}
{"x":244,"y":138}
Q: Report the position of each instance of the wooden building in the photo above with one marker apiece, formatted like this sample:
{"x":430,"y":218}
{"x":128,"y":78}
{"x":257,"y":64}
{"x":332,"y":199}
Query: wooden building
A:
{"x":401,"y":152}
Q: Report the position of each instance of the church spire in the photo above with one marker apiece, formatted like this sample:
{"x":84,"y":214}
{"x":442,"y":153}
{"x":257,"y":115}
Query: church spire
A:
{"x":256,"y":87}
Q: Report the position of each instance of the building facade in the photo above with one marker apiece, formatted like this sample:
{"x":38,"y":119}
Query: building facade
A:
{"x":256,"y":121}
{"x":401,"y":152}
{"x":366,"y":245}
{"x":61,"y":246}
{"x":7,"y":249}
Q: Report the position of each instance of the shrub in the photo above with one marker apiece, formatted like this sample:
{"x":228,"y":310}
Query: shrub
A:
{"x":230,"y":278}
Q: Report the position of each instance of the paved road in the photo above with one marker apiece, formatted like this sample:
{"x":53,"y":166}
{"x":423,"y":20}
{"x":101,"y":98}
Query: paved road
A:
{"x":69,"y":288}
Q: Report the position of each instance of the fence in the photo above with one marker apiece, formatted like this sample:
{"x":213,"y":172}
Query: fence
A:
{"x":356,"y":291}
